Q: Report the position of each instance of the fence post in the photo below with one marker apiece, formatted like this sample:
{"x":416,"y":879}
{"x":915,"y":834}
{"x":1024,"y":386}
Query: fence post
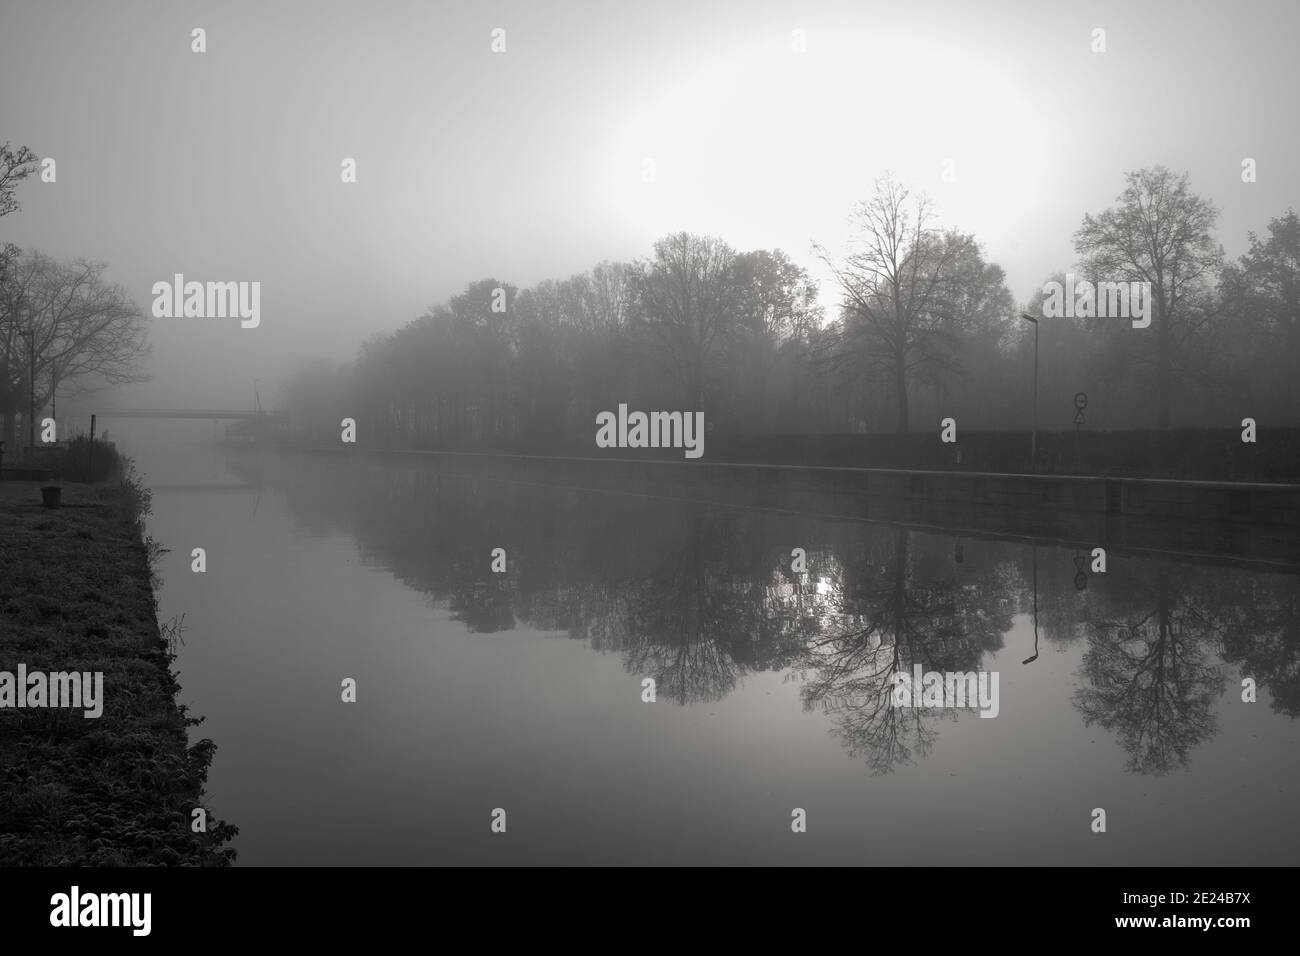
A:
{"x":90,"y":456}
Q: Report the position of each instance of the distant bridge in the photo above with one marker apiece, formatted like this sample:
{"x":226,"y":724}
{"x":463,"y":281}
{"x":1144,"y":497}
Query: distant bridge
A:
{"x":202,"y":414}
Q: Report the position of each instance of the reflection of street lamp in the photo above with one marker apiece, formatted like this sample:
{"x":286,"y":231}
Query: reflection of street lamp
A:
{"x":1030,"y":660}
{"x":1033,"y":439}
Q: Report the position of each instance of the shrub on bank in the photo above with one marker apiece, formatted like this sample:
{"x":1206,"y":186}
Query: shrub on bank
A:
{"x":76,"y":463}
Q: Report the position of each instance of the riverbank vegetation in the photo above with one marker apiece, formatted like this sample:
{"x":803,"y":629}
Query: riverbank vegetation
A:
{"x":77,"y":594}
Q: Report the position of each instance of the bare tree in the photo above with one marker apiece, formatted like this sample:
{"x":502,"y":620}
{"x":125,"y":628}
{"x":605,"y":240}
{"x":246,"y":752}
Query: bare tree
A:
{"x":973,"y":311}
{"x":776,"y":302}
{"x":15,"y":166}
{"x":893,"y":280}
{"x":84,"y":331}
{"x":609,"y":291}
{"x":686,"y":307}
{"x":1160,"y":233}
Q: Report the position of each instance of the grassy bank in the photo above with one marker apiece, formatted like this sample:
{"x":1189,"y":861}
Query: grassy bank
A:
{"x":77,"y":594}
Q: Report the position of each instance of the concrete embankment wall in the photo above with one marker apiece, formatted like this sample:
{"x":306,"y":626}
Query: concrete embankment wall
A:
{"x":1247,"y":522}
{"x":1237,"y":502}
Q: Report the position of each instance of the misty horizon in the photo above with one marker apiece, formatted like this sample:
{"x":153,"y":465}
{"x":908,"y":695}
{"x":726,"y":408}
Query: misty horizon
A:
{"x":527,"y":165}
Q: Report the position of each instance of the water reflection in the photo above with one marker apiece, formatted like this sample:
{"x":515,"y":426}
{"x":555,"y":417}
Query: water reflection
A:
{"x":700,"y":596}
{"x":897,"y":603}
{"x":1151,"y":668}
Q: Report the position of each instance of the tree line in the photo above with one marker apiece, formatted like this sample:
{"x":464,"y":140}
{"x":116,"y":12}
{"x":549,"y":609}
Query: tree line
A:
{"x":925,"y":327}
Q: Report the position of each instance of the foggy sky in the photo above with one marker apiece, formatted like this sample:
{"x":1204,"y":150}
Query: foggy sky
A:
{"x":527,"y":165}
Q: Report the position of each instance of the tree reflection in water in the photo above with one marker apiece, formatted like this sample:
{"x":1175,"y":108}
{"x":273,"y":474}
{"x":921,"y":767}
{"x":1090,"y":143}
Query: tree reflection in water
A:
{"x":699,"y":596}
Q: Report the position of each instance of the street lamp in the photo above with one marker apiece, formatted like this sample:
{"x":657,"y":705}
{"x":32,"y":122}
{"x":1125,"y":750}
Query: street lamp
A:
{"x":30,"y":335}
{"x":1033,"y":439}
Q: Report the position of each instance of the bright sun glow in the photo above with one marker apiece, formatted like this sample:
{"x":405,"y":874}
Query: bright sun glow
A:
{"x":772,"y":148}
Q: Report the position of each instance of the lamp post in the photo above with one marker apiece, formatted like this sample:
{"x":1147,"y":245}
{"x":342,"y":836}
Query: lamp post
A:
{"x":30,"y":335}
{"x":1033,"y":437}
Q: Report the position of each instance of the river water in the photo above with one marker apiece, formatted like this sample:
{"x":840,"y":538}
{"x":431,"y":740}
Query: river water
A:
{"x":524,"y":691}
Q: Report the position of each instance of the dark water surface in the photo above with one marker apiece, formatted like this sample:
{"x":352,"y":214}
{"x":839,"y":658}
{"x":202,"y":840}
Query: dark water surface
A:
{"x":523,"y":691}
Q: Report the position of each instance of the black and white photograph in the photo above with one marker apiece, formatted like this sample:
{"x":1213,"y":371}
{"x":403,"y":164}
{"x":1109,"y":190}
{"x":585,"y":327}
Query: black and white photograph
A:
{"x":691,"y":434}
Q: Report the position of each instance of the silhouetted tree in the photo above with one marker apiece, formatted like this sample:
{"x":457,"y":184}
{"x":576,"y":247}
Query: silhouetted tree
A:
{"x":85,"y":331}
{"x":895,"y":280}
{"x":1161,"y":233}
{"x":686,"y":296}
{"x":1262,"y":293}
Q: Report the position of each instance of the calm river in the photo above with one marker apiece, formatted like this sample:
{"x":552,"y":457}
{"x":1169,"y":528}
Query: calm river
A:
{"x":523,"y":691}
